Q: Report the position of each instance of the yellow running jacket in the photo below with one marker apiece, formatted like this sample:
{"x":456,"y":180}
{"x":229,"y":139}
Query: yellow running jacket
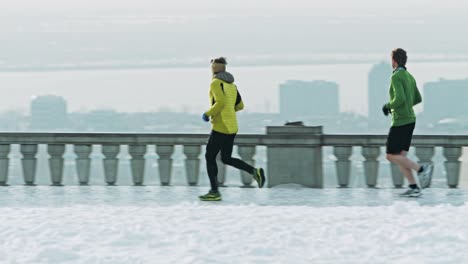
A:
{"x":225,"y":101}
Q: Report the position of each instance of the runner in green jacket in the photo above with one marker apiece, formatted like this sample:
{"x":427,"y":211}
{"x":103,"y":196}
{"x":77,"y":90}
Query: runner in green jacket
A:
{"x":404,"y":94}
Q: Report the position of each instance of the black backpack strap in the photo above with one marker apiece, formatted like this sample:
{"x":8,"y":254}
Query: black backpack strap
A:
{"x":239,"y":97}
{"x":222,"y":87}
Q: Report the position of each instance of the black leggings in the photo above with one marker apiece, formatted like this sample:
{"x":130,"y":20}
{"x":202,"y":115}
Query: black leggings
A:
{"x":224,"y":143}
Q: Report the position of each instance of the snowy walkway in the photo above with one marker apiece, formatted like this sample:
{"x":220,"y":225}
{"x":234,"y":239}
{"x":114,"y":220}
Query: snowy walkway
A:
{"x":281,"y":225}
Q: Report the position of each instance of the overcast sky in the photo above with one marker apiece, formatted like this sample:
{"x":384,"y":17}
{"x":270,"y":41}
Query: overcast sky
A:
{"x":247,"y":7}
{"x":38,"y":32}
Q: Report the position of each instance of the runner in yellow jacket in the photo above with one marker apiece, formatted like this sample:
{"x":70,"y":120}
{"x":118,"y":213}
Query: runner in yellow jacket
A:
{"x":225,"y":101}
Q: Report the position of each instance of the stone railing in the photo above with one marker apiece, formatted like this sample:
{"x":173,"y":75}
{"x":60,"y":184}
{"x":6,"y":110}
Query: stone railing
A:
{"x":111,"y":145}
{"x":371,"y":150}
{"x":294,"y":155}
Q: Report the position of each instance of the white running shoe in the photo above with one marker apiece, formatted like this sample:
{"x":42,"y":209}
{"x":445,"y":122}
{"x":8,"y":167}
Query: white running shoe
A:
{"x":425,"y":176}
{"x":410,"y":192}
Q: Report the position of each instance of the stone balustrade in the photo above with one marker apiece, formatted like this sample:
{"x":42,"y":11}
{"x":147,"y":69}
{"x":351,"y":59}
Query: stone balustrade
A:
{"x":424,"y":150}
{"x":294,"y":155}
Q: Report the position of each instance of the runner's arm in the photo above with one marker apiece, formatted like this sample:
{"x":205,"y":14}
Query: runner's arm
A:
{"x":399,"y":93}
{"x":417,"y":97}
{"x":239,"y":103}
{"x":219,"y":99}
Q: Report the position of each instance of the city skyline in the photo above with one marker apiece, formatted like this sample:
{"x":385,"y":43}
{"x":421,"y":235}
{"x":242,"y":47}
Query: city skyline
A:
{"x":150,"y":92}
{"x":50,"y":112}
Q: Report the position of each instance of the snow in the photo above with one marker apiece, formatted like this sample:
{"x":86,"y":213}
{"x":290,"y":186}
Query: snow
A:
{"x":98,"y":224}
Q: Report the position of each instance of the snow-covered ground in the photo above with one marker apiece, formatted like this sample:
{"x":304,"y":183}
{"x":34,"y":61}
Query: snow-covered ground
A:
{"x":280,"y":225}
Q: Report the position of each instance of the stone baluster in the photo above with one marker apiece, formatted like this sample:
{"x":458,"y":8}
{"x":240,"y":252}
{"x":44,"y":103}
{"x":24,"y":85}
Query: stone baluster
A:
{"x":425,"y":155}
{"x":247,"y":154}
{"x":111,"y":163}
{"x":397,"y":176}
{"x":4,"y":163}
{"x":165,"y":163}
{"x":343,"y":164}
{"x":452,"y":165}
{"x":83,"y":163}
{"x":56,"y":163}
{"x":138,"y":163}
{"x":192,"y":163}
{"x":221,"y":171}
{"x":28,"y":162}
{"x":371,"y":165}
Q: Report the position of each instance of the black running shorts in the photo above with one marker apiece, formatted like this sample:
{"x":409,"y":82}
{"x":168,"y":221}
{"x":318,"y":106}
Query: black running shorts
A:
{"x":399,"y":138}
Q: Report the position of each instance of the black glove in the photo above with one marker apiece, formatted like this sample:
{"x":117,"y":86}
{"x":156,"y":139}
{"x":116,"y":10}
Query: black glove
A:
{"x":386,"y":110}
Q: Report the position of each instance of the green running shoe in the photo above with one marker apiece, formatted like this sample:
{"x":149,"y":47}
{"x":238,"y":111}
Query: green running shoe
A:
{"x":211,"y":196}
{"x":259,"y":176}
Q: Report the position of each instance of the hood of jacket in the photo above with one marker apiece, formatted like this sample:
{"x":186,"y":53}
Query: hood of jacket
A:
{"x":224,"y":76}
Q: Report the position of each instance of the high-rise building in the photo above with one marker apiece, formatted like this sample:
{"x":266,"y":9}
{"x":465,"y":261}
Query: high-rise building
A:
{"x":299,"y":99}
{"x":445,"y":99}
{"x":378,"y":87}
{"x":49,"y":112}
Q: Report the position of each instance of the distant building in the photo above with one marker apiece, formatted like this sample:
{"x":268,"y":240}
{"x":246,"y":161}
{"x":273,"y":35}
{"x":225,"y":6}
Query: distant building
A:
{"x":300,"y":99}
{"x":49,"y":112}
{"x":104,"y":120}
{"x":445,"y":99}
{"x":378,"y":87}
